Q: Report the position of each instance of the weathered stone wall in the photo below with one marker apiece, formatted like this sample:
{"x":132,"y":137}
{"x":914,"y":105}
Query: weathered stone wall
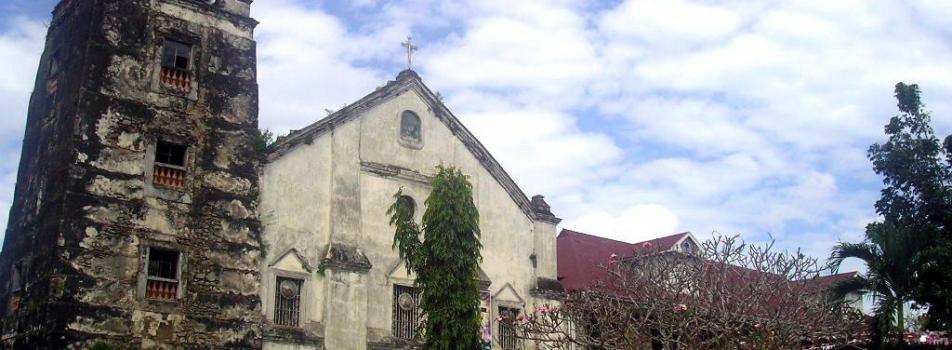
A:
{"x":85,"y":208}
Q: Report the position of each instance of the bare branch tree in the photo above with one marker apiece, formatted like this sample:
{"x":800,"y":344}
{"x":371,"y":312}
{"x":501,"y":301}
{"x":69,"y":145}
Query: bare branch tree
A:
{"x":729,"y":295}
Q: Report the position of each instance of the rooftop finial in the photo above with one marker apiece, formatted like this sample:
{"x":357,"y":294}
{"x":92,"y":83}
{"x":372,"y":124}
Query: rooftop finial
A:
{"x":410,"y":48}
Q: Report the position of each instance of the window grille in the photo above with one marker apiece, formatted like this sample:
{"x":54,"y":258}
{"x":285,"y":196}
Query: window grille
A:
{"x":507,"y":333}
{"x":169,"y":169}
{"x":410,"y":126}
{"x":176,"y":65}
{"x":287,"y":301}
{"x":406,"y":311}
{"x":162,"y":278}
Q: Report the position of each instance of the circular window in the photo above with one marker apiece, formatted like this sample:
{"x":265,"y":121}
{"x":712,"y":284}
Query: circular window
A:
{"x":289,"y":289}
{"x":507,"y":314}
{"x":406,"y":301}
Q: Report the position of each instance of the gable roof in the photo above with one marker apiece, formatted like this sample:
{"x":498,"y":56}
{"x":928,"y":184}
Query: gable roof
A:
{"x":582,"y":257}
{"x":409,"y":80}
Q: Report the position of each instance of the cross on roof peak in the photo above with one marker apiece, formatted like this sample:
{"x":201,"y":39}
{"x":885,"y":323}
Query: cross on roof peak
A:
{"x":410,"y":48}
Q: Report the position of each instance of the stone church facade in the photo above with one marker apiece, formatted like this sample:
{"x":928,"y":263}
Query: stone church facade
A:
{"x":146,"y":217}
{"x":325,"y":191}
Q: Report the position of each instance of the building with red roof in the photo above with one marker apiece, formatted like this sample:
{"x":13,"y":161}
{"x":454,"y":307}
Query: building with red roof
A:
{"x":582,"y":259}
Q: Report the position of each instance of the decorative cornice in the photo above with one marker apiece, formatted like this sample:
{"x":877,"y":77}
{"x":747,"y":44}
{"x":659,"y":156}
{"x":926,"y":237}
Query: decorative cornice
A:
{"x":388,"y":170}
{"x":548,"y":288}
{"x":543,"y":211}
{"x":342,"y":257}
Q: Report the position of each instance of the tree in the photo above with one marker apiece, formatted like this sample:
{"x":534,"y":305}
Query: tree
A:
{"x":445,"y":261}
{"x":263,"y":139}
{"x":731,"y":295}
{"x":917,"y":199}
{"x":890,"y":253}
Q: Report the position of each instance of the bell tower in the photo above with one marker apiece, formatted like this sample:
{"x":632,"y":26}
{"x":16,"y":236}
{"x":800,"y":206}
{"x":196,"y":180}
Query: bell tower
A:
{"x":134,"y":222}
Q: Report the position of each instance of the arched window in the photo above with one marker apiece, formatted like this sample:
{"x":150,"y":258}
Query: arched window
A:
{"x":410,"y":203}
{"x":410,"y":127}
{"x":688,"y":247}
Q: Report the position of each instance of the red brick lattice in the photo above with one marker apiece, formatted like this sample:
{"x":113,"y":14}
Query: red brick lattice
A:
{"x":162,"y":290}
{"x":168,"y":176}
{"x":177,"y":79}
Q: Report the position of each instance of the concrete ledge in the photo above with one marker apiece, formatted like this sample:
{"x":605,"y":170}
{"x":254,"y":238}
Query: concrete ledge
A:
{"x":342,"y":257}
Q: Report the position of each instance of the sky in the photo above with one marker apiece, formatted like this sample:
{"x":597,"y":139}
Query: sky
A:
{"x":635,"y":118}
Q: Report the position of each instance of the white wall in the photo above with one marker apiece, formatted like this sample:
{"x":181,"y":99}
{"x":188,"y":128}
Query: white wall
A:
{"x":310,"y":197}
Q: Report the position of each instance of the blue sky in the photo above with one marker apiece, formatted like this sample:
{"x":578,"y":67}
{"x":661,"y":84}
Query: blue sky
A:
{"x":636,"y":118}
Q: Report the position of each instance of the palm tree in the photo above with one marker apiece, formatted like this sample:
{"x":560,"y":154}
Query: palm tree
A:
{"x":890,"y":252}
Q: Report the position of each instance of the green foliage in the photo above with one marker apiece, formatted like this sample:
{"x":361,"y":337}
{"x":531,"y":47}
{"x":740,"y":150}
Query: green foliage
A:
{"x":916,"y":176}
{"x":445,"y":261}
{"x":909,"y":254}
{"x":263,"y":140}
{"x":890,"y":253}
{"x":100,"y":346}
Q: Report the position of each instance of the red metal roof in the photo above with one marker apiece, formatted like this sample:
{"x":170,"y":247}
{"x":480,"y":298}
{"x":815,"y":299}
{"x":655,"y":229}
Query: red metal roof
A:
{"x":826,"y":282}
{"x":582,"y":257}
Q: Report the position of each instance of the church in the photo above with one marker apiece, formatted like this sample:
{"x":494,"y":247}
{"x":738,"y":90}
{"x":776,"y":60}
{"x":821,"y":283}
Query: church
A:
{"x":146,"y":214}
{"x":325,"y":191}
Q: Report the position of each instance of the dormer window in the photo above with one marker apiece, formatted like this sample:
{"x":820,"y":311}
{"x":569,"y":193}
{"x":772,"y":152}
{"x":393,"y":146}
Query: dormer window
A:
{"x":177,"y":65}
{"x":410,"y":129}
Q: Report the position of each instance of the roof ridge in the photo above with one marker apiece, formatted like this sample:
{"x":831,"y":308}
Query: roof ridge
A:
{"x":615,"y":240}
{"x":595,"y":236}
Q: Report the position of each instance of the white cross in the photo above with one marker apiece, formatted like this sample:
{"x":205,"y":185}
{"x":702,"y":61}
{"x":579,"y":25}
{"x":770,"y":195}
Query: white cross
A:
{"x":410,"y":48}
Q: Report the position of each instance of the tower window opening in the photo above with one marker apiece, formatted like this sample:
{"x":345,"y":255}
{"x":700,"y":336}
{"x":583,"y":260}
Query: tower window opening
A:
{"x":176,"y":55}
{"x":169,"y":169}
{"x":176,"y":65}
{"x":163,"y":275}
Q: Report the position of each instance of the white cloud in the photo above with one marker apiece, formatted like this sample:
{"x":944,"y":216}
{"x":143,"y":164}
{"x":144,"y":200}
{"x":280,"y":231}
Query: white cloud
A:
{"x":665,"y":22}
{"x":538,"y":54}
{"x":307,"y":63}
{"x":534,"y":146}
{"x":730,"y":116}
{"x":20,"y":46}
{"x":634,"y":118}
{"x":634,"y":224}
